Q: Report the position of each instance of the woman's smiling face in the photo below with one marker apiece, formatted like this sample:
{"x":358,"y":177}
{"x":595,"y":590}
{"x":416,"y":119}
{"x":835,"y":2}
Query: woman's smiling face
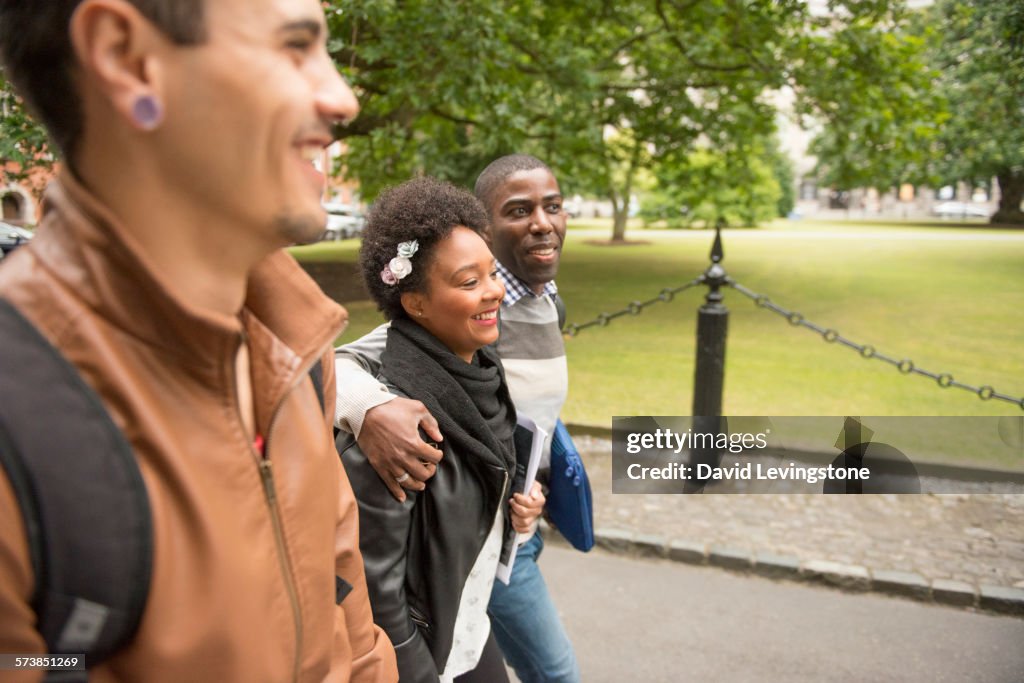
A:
{"x":463,"y":294}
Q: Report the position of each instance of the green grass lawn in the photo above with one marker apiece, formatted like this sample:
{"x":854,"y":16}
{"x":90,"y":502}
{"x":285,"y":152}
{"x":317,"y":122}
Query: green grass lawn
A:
{"x":949,"y":298}
{"x":326,"y":252}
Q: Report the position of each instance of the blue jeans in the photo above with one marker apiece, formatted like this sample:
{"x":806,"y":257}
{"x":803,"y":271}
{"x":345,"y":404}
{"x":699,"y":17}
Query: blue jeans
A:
{"x":526,"y":624}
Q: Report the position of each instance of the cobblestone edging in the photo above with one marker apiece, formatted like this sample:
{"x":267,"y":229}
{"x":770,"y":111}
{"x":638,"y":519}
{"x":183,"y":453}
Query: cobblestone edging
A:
{"x":848,"y":577}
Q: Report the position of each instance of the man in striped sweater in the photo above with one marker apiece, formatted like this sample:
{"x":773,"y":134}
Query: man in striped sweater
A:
{"x":527,"y":233}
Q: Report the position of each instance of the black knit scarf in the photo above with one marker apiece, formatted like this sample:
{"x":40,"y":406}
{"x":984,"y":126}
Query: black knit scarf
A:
{"x":470,"y":401}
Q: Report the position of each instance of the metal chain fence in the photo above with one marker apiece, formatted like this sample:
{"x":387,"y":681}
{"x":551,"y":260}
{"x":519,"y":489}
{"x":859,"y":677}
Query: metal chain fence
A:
{"x":831,"y":336}
{"x":904,"y":365}
{"x":634,"y":308}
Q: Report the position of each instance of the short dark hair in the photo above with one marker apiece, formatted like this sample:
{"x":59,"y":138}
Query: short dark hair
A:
{"x":422,"y":209}
{"x":499,"y":170}
{"x":35,"y":45}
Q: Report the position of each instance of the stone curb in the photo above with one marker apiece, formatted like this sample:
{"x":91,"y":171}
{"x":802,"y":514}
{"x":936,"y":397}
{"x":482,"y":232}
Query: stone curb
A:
{"x":855,"y":578}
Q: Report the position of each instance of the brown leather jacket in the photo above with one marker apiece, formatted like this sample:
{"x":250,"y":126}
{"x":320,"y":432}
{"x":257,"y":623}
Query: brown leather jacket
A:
{"x":246,"y":550}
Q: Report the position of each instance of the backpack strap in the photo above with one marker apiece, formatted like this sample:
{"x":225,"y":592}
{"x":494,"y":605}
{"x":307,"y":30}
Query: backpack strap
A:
{"x":81,"y":496}
{"x":560,"y":307}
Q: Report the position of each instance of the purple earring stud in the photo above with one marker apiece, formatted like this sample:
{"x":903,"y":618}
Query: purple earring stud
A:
{"x":147,"y":112}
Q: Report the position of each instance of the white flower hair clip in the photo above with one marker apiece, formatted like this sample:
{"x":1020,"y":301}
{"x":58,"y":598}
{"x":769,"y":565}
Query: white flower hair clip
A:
{"x":400,"y":266}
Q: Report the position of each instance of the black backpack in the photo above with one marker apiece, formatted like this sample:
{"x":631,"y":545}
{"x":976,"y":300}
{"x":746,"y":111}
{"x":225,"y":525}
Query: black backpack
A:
{"x":81,"y":495}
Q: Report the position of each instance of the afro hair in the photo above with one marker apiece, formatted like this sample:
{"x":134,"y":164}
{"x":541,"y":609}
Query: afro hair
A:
{"x":422,"y":209}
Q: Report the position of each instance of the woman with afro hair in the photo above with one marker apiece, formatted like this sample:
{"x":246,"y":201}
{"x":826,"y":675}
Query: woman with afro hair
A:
{"x":431,"y":559}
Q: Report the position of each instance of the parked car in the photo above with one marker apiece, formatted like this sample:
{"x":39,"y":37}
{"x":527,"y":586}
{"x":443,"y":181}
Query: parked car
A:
{"x":12,"y":237}
{"x":960,"y":210}
{"x":343,"y":221}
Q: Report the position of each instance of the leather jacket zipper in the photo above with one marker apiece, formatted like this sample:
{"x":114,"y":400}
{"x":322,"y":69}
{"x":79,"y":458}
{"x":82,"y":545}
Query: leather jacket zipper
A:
{"x":267,"y":475}
{"x":418,"y":619}
{"x":270,"y":493}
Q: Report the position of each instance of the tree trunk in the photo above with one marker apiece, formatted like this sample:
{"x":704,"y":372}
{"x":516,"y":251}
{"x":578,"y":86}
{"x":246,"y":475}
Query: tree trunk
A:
{"x":618,"y":232}
{"x":1011,"y":193}
{"x":620,"y":213}
{"x":620,"y":204}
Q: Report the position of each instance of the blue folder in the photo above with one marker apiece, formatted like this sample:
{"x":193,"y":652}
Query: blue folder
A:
{"x":569,"y":506}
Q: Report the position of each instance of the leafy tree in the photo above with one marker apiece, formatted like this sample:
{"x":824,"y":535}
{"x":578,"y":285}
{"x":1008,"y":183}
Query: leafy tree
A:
{"x":23,"y":142}
{"x":884,"y":122}
{"x":952,"y":110}
{"x":783,"y":173}
{"x":601,"y":90}
{"x":447,"y":86}
{"x":981,"y":60}
{"x":734,"y":186}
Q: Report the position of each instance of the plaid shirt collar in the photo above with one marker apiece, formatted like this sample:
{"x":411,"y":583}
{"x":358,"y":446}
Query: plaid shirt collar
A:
{"x":516,"y":289}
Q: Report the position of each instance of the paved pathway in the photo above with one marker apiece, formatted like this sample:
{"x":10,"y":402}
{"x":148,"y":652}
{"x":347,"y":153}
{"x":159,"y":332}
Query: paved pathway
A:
{"x":972,"y":540}
{"x":653,"y":621}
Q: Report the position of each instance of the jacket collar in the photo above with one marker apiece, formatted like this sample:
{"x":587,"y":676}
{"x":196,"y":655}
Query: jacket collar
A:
{"x":288,"y":320}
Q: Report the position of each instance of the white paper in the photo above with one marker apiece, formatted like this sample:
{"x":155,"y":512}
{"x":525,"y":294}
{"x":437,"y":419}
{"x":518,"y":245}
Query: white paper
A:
{"x":504,"y":572}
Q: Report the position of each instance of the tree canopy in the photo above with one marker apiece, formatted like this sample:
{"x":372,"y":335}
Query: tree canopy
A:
{"x":958,"y":114}
{"x":679,"y":92}
{"x":981,"y":61}
{"x":598,"y":89}
{"x":22,"y":140}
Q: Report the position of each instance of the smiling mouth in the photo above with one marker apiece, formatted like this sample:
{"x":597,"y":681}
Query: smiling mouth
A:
{"x":311,"y":152}
{"x":542,"y":251}
{"x":489,"y":315}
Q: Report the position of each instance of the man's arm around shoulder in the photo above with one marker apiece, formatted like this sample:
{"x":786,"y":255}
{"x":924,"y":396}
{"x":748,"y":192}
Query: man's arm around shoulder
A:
{"x":386,"y":426}
{"x":356,"y":365}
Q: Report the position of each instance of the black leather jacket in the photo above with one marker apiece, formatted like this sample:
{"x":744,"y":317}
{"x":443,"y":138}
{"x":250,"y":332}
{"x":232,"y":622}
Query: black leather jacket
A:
{"x":415,"y":567}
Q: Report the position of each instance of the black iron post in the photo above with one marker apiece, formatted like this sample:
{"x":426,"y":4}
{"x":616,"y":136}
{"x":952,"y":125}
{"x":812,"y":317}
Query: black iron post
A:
{"x":712,"y":327}
{"x":709,"y":374}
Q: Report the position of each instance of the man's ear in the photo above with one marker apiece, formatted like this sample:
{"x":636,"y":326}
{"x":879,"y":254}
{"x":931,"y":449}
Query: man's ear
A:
{"x":413,"y":303}
{"x":487,"y":234}
{"x":119,"y":50}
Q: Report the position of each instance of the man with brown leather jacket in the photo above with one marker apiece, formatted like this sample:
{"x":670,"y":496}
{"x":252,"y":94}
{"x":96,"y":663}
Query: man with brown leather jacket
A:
{"x":187,"y":130}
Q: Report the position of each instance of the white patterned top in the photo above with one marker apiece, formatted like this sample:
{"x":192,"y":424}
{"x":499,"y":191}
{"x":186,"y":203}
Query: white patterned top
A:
{"x":472,"y":625}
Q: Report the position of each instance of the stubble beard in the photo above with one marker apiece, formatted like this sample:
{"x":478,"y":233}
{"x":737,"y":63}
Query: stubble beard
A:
{"x":299,"y":229}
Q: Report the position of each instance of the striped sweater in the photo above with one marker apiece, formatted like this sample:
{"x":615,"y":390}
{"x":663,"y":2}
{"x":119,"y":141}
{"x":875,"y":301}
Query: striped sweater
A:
{"x":532,"y":350}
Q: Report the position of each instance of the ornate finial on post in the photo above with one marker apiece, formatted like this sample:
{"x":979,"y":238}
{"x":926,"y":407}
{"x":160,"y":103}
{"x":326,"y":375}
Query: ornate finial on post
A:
{"x":709,"y":372}
{"x":717,"y":253}
{"x":714,"y":276}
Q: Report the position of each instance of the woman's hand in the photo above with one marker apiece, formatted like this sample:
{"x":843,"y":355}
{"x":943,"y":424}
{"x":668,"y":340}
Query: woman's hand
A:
{"x":526,"y":509}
